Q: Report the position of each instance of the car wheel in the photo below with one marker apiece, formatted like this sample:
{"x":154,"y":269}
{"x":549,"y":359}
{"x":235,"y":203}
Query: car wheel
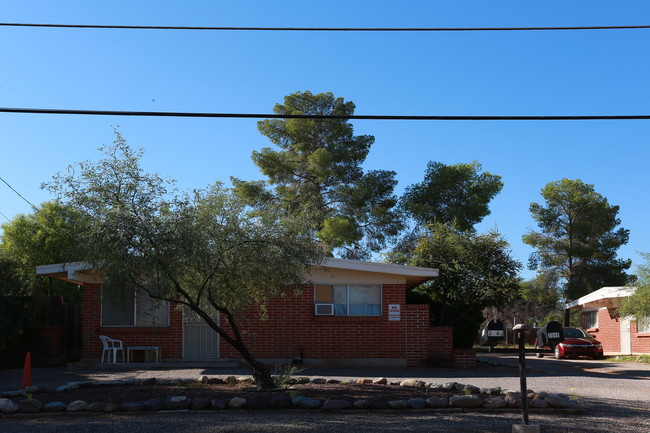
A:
{"x":557,"y":352}
{"x":538,"y":354}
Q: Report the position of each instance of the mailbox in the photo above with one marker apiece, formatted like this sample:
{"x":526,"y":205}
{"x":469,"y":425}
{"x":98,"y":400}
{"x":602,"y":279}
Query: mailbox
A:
{"x":493,"y":333}
{"x":550,"y":335}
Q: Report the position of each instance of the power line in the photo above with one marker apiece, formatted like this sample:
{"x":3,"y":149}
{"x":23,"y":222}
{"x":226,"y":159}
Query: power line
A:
{"x":19,"y":195}
{"x":327,"y":29}
{"x":5,"y":216}
{"x":311,"y":116}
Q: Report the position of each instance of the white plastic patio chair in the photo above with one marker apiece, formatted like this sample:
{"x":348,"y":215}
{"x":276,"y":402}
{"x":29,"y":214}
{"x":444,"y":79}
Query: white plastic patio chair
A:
{"x":111,"y":344}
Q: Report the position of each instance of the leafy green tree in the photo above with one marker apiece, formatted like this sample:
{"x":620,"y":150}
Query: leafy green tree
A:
{"x":317,"y":174}
{"x":48,"y":235}
{"x":638,"y":304}
{"x":476,"y":271}
{"x":17,"y":309}
{"x":457,"y":193}
{"x":206,"y":249}
{"x":578,"y":239}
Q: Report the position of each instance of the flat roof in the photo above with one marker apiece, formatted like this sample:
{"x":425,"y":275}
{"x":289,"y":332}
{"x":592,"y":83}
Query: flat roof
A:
{"x":600,"y":294}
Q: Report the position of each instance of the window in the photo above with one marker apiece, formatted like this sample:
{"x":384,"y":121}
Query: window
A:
{"x":348,"y":300}
{"x":591,"y":319}
{"x":126,"y":308}
{"x":644,"y":325}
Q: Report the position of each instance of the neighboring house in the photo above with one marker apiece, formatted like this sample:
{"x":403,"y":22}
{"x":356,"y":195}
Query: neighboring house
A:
{"x":619,"y":335}
{"x":354,"y":314}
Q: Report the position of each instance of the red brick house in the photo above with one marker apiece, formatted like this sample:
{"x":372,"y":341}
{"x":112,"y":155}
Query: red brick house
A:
{"x":354,"y":314}
{"x":619,"y":335}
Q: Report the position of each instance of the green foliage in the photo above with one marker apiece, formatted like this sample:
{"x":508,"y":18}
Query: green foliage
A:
{"x":457,"y":194}
{"x":206,"y":249}
{"x":316,"y":174}
{"x":476,"y":271}
{"x":638,"y":304}
{"x":17,"y":309}
{"x":283,"y":373}
{"x":49,"y":235}
{"x":578,"y":239}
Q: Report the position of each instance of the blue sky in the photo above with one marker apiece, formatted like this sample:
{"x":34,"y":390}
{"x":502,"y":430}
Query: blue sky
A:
{"x":486,"y":73}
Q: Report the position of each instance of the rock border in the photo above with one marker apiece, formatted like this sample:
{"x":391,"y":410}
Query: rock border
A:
{"x":471,"y":398}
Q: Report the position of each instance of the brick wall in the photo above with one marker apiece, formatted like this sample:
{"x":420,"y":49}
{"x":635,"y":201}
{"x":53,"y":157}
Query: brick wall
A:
{"x":168,"y":338}
{"x":292,"y":326}
{"x":640,"y":341}
{"x":608,"y":331}
{"x":464,"y":358}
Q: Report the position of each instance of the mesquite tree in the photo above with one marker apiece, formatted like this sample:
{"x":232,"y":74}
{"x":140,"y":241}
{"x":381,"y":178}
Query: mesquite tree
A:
{"x":207,"y":249}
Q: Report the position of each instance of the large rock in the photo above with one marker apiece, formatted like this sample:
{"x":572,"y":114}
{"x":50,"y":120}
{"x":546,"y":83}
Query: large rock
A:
{"x":412,"y":382}
{"x":16,"y":393}
{"x":154,"y":404}
{"x":466,"y":401}
{"x":8,"y":406}
{"x":416,"y":403}
{"x":539,"y":403}
{"x":112,"y":407}
{"x":76,"y":406}
{"x":237,"y":403}
{"x":513,"y":399}
{"x":333,"y":404}
{"x":96,"y":407}
{"x":362,"y":404}
{"x":472,"y":389}
{"x":30,"y":405}
{"x":305,"y":402}
{"x":380,"y":381}
{"x":178,"y":402}
{"x":560,"y":402}
{"x":363,"y":381}
{"x":398,"y":404}
{"x":437,"y":402}
{"x":31,"y":389}
{"x":204,"y":379}
{"x":55,"y":406}
{"x":494,"y":403}
{"x":318,"y":381}
{"x":449,"y":386}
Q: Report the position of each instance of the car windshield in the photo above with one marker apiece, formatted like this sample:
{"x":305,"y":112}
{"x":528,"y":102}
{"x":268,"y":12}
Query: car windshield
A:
{"x":575,"y":333}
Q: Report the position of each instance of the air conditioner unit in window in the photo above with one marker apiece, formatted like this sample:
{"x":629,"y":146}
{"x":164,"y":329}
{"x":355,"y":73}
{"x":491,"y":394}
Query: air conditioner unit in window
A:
{"x":324,"y":309}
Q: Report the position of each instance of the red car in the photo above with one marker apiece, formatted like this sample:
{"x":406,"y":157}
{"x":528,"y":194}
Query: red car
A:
{"x":577,"y":342}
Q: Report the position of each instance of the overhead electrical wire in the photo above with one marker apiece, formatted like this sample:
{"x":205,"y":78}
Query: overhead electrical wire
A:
{"x":19,"y":194}
{"x":325,"y":29}
{"x":314,"y":116}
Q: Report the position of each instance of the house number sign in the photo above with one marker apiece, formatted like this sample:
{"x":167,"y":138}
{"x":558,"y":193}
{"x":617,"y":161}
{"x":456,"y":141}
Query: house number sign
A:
{"x":394,"y":312}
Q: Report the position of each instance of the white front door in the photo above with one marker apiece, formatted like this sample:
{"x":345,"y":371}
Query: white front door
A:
{"x":626,"y":336}
{"x":200,"y":341}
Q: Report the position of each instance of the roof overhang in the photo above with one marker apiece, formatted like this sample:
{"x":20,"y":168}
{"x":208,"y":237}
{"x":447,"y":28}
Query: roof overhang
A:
{"x":82,"y":273}
{"x":413,"y":275}
{"x":605,"y":297}
{"x":76,"y":272}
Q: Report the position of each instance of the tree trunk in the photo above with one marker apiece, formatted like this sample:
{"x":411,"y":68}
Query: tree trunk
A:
{"x":261,"y":373}
{"x":567,"y":318}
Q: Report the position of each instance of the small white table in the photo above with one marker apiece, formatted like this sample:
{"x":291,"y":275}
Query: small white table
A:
{"x":129,"y":351}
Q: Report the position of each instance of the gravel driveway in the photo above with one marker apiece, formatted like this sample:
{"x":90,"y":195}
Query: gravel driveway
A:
{"x":614,"y":394}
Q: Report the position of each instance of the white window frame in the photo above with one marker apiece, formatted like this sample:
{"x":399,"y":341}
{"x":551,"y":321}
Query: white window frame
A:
{"x":134,"y":322}
{"x":347,"y":305}
{"x":643,"y":326}
{"x":595,"y":312}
